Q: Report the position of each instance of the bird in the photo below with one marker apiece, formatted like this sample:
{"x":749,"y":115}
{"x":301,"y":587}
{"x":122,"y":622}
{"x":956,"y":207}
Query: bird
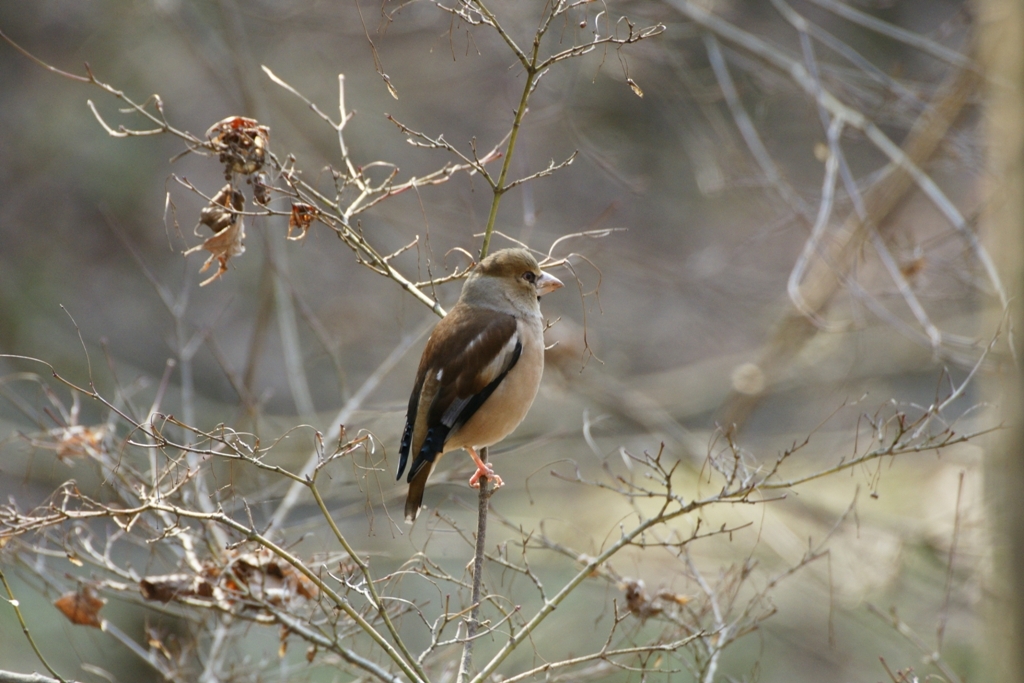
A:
{"x":480,"y":370}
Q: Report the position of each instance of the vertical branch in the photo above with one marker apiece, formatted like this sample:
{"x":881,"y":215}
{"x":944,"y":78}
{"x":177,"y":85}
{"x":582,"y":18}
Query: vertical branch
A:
{"x":287,"y":323}
{"x":499,"y":187}
{"x":532,"y":73}
{"x":185,"y":347}
{"x":478,"y":569}
{"x":940,"y":632}
{"x":717,"y":641}
{"x":213,"y":655}
{"x":486,"y":488}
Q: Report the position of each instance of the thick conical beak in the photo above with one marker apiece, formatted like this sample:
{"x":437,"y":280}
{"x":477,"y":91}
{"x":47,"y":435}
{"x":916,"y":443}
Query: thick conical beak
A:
{"x":547,"y":283}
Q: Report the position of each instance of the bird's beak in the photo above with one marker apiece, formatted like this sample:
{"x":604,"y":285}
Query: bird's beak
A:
{"x":547,"y":283}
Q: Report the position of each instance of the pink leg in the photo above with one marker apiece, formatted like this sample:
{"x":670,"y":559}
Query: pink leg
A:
{"x":482,"y":470}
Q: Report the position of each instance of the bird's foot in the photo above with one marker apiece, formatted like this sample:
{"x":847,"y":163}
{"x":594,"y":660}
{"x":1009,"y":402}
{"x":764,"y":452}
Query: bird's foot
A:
{"x":485,"y":470}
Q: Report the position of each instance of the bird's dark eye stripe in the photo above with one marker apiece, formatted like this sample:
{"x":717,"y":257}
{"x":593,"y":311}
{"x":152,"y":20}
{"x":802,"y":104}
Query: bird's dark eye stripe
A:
{"x":530,"y":276}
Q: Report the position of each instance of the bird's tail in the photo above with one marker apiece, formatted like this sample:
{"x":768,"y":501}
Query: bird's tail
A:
{"x":414,"y":500}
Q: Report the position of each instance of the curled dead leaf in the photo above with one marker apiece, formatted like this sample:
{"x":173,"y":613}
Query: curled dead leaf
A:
{"x":249,"y":578}
{"x":74,"y":441}
{"x":677,"y":598}
{"x":643,"y":605}
{"x":264,"y":576}
{"x":220,"y":213}
{"x":301,"y":218}
{"x":261,"y":189}
{"x":174,"y":587}
{"x":81,"y":607}
{"x":222,"y":216}
{"x":639,"y":603}
{"x":241,"y":143}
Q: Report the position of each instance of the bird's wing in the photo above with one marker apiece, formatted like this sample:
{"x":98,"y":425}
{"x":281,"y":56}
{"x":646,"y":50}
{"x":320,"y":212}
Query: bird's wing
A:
{"x":468,"y":355}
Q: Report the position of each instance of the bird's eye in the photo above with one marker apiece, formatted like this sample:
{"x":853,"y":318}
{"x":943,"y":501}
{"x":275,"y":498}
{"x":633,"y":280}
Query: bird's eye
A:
{"x":530,"y":276}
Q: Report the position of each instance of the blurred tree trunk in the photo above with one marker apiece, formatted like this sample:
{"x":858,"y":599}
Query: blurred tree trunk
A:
{"x":1001,"y":25}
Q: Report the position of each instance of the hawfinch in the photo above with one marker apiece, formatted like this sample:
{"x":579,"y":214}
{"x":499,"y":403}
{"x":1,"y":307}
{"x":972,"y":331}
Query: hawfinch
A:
{"x":480,"y":370}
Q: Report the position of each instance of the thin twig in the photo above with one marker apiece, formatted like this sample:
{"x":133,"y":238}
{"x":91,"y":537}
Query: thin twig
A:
{"x":931,"y":655}
{"x":940,"y":631}
{"x":13,"y":602}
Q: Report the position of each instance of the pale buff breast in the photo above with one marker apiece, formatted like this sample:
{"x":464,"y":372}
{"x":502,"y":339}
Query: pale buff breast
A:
{"x":503,"y":410}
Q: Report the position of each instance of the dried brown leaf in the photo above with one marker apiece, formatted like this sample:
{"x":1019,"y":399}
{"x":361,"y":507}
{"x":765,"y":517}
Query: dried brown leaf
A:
{"x":301,"y":218}
{"x":643,"y":605}
{"x":264,"y":576}
{"x":220,"y":213}
{"x":261,"y":189}
{"x":221,"y":216}
{"x":81,"y":607}
{"x":241,"y":143}
{"x":74,"y":441}
{"x":174,"y":587}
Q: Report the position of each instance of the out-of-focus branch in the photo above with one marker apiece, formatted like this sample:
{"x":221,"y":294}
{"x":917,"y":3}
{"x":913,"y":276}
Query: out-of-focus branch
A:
{"x":1002,"y":53}
{"x":12,"y":677}
{"x":295,"y":490}
{"x":896,"y":33}
{"x":826,"y":274}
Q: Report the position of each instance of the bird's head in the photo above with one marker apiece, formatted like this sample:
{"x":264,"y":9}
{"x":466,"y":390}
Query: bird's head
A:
{"x":512,"y":273}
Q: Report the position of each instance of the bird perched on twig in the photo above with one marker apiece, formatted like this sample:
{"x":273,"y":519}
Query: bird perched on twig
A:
{"x":480,"y":370}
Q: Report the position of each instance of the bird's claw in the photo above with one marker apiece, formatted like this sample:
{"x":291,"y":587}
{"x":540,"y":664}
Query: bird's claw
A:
{"x":485,"y":471}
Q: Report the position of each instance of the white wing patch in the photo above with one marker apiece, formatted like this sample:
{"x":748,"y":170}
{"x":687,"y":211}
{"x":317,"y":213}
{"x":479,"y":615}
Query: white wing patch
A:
{"x":500,"y":360}
{"x":473,"y":342}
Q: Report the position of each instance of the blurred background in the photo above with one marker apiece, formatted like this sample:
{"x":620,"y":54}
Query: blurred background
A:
{"x":686,"y":325}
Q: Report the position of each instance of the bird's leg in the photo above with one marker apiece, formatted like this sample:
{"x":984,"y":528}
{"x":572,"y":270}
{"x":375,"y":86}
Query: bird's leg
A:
{"x":482,"y":470}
